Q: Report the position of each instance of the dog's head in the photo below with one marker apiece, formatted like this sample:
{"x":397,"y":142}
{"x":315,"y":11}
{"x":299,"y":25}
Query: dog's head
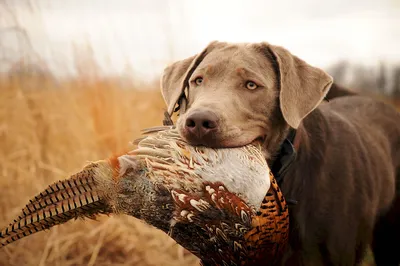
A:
{"x":235,"y":94}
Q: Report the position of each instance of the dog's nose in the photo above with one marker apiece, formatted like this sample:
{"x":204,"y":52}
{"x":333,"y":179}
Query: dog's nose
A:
{"x":201,"y":123}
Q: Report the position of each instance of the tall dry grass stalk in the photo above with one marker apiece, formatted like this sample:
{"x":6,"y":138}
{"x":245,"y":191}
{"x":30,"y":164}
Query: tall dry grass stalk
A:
{"x":49,"y":130}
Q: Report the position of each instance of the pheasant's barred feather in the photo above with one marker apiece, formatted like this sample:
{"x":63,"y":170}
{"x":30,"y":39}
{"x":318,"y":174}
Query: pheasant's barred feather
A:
{"x":59,"y":203}
{"x":223,"y":205}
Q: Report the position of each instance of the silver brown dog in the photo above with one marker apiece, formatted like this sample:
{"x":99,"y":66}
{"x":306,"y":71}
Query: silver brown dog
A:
{"x":346,"y":175}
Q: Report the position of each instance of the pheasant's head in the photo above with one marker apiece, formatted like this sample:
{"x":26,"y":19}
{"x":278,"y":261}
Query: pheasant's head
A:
{"x":223,"y":205}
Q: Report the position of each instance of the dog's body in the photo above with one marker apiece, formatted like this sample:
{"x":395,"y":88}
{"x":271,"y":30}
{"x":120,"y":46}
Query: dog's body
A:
{"x":346,"y":177}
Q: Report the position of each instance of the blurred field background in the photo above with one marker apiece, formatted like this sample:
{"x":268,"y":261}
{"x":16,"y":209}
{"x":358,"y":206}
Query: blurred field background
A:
{"x":64,"y":101}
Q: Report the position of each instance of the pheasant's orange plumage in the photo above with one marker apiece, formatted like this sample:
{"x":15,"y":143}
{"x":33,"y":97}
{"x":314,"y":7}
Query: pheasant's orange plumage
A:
{"x":223,"y":205}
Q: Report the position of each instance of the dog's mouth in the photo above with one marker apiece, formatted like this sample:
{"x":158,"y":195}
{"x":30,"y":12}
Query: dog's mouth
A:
{"x":259,"y":141}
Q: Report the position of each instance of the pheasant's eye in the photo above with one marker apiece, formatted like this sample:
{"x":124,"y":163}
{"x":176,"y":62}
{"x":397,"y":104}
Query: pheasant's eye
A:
{"x":251,"y":85}
{"x":198,"y":80}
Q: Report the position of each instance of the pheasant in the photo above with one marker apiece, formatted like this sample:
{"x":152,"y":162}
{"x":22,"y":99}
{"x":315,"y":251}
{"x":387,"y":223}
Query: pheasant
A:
{"x":223,"y":205}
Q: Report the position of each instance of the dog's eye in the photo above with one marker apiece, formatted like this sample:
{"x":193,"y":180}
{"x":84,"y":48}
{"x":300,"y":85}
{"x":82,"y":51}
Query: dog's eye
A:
{"x":198,"y":80}
{"x":251,"y":85}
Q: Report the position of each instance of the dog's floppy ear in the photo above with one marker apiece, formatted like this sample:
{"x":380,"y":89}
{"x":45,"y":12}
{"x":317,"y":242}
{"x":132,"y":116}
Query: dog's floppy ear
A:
{"x":302,"y":86}
{"x":176,"y":76}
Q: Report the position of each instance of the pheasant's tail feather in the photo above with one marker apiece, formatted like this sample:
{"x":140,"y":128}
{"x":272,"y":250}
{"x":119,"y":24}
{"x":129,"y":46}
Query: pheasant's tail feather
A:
{"x":72,"y":198}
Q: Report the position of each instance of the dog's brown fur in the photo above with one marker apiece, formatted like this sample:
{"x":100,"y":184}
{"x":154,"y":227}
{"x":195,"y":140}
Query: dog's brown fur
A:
{"x":348,"y":164}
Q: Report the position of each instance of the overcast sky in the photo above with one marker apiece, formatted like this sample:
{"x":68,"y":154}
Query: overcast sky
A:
{"x":149,"y":34}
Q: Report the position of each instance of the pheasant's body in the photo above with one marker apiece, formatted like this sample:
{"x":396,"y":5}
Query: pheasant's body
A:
{"x":223,"y":205}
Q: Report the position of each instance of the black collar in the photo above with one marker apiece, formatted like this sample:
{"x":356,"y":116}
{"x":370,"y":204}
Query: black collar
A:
{"x":285,"y":158}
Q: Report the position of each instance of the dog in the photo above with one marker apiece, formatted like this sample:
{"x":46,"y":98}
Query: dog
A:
{"x":345,"y":175}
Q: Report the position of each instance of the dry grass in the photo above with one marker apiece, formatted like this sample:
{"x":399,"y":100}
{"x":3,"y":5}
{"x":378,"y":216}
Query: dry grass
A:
{"x":47,"y":134}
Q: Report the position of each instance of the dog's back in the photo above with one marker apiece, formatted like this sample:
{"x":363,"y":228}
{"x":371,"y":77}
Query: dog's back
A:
{"x":338,"y":91}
